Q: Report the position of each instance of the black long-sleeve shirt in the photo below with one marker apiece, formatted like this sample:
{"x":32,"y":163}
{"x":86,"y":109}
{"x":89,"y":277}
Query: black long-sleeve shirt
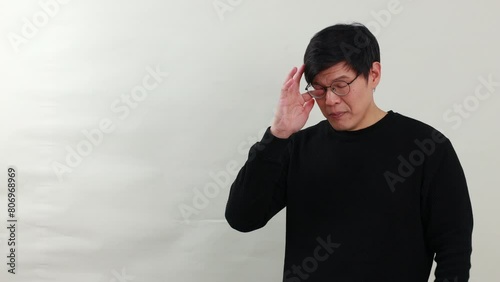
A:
{"x":376,"y":204}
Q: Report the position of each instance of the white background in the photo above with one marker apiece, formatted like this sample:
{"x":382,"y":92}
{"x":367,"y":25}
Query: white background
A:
{"x":117,"y":215}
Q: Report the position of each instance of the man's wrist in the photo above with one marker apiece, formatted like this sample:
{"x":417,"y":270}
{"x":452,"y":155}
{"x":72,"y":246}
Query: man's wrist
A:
{"x":280,"y":134}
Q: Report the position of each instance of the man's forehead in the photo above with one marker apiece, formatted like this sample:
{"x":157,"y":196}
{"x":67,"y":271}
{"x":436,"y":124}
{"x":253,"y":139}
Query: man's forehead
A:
{"x":337,"y":71}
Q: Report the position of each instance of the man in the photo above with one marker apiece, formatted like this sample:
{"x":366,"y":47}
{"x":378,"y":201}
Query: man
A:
{"x":370,"y":195}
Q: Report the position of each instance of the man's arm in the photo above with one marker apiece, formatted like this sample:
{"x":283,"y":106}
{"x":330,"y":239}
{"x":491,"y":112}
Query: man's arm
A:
{"x":448,"y":217}
{"x":259,"y":191}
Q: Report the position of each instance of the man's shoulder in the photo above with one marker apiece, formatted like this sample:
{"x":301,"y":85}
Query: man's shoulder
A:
{"x":411,"y":126}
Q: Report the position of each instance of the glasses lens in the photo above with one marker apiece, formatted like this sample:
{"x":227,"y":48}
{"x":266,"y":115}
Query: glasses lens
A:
{"x":340,"y":88}
{"x":315,"y":90}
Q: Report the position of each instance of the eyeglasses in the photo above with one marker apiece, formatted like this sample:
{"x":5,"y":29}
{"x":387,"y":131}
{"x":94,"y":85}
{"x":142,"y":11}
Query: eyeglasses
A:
{"x":338,"y":87}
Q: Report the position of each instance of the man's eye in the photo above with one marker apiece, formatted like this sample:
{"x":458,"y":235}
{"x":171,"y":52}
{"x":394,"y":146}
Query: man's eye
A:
{"x":339,"y":85}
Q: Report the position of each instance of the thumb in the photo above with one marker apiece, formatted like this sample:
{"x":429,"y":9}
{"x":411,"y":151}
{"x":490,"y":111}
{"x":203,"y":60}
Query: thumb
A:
{"x":308,"y":106}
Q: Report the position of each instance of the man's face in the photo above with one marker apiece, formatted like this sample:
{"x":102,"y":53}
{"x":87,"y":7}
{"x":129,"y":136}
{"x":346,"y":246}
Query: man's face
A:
{"x":357,"y":109}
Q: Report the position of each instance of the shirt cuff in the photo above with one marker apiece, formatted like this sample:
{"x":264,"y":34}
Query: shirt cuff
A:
{"x":270,"y":146}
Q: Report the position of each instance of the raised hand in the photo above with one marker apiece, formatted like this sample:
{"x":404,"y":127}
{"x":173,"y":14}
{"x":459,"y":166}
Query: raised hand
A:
{"x":293,"y":107}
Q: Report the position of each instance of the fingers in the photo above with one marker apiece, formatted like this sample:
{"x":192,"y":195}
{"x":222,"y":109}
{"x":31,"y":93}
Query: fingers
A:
{"x":290,"y":74}
{"x":308,"y":106}
{"x":287,"y":85}
{"x":292,"y":82}
{"x":294,"y":75}
{"x":306,"y":96}
{"x":298,"y":75}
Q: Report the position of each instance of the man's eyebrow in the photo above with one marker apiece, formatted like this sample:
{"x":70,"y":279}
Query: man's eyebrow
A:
{"x":335,"y":79}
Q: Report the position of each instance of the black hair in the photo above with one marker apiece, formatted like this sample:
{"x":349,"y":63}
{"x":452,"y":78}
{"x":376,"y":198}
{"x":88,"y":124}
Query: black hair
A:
{"x":350,"y":43}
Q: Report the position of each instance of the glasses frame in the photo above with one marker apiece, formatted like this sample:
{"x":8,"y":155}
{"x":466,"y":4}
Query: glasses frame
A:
{"x":325,"y":89}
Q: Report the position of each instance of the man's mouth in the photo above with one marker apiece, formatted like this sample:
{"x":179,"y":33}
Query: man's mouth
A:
{"x":336,"y":114}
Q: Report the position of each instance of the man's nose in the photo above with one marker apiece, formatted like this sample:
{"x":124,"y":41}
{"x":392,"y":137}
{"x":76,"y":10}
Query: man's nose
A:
{"x":332,"y":98}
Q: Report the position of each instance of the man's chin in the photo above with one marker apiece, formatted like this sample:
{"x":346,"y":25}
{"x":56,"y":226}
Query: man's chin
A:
{"x":340,"y":123}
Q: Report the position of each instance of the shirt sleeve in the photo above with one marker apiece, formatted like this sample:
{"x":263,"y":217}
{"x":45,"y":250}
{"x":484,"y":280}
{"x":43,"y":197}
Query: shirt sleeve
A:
{"x":259,"y":190}
{"x":448,"y":217}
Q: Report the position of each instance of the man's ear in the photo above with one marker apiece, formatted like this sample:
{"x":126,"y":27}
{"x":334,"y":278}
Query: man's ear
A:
{"x":375,"y":74}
